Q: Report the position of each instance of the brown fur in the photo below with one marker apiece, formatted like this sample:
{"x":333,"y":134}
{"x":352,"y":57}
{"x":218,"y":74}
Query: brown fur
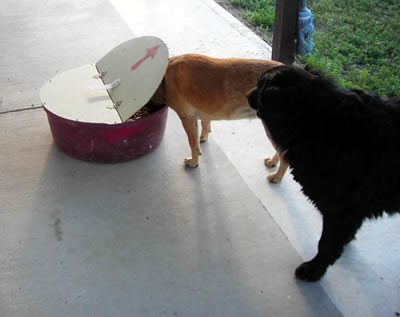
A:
{"x":203,"y":88}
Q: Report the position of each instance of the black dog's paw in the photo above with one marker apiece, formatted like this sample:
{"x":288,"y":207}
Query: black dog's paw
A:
{"x":310,"y":272}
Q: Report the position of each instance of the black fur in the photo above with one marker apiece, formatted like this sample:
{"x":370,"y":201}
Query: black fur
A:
{"x":343,"y":148}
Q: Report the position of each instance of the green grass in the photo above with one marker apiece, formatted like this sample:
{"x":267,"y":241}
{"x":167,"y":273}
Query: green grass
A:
{"x":356,"y":42}
{"x":259,"y":14}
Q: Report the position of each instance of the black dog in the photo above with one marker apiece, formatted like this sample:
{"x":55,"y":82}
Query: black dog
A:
{"x":343,"y":147}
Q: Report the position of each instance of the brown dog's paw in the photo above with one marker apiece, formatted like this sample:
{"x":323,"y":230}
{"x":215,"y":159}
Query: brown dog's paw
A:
{"x":203,"y":138}
{"x":274,"y":178}
{"x":269,"y":162}
{"x":189,"y":162}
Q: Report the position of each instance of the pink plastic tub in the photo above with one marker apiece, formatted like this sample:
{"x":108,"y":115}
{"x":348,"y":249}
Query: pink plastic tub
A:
{"x":108,"y":143}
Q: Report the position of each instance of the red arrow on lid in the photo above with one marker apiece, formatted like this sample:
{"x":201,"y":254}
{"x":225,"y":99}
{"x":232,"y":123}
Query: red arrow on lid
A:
{"x":150,"y":52}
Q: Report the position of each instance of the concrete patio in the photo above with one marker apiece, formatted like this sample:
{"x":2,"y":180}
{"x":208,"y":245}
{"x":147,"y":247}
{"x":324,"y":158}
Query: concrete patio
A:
{"x":149,"y":237}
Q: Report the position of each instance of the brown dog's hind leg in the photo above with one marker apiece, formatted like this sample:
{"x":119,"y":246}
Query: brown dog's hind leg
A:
{"x":278,"y":175}
{"x":271,"y":162}
{"x":191,"y":127}
{"x":205,"y":130}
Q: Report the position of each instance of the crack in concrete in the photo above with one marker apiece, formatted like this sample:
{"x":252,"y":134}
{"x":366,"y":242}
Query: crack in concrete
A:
{"x":22,"y":109}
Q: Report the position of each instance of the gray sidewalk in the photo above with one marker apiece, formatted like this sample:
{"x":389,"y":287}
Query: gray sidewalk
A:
{"x":149,"y":237}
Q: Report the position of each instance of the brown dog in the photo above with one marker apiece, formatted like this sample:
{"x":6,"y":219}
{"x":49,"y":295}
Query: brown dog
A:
{"x":203,"y":88}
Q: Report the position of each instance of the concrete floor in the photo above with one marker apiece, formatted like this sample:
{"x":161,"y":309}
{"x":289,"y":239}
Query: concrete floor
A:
{"x":148,"y":237}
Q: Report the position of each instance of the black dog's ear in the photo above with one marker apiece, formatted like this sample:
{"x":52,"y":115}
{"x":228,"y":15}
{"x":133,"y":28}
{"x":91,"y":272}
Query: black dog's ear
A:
{"x":252,"y":98}
{"x":263,"y":83}
{"x":321,"y":81}
{"x":309,"y":68}
{"x":286,"y":76}
{"x":315,"y":74}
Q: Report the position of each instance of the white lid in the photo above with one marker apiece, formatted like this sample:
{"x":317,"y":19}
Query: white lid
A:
{"x":79,"y":94}
{"x":140,"y":64}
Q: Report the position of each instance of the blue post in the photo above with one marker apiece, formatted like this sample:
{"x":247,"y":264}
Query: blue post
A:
{"x":306,"y":30}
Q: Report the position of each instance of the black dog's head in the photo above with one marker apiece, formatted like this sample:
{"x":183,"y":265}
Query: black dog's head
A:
{"x":277,"y":82}
{"x":286,"y":97}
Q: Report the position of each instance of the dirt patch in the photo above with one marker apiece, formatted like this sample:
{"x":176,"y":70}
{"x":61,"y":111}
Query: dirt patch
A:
{"x":57,"y":229}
